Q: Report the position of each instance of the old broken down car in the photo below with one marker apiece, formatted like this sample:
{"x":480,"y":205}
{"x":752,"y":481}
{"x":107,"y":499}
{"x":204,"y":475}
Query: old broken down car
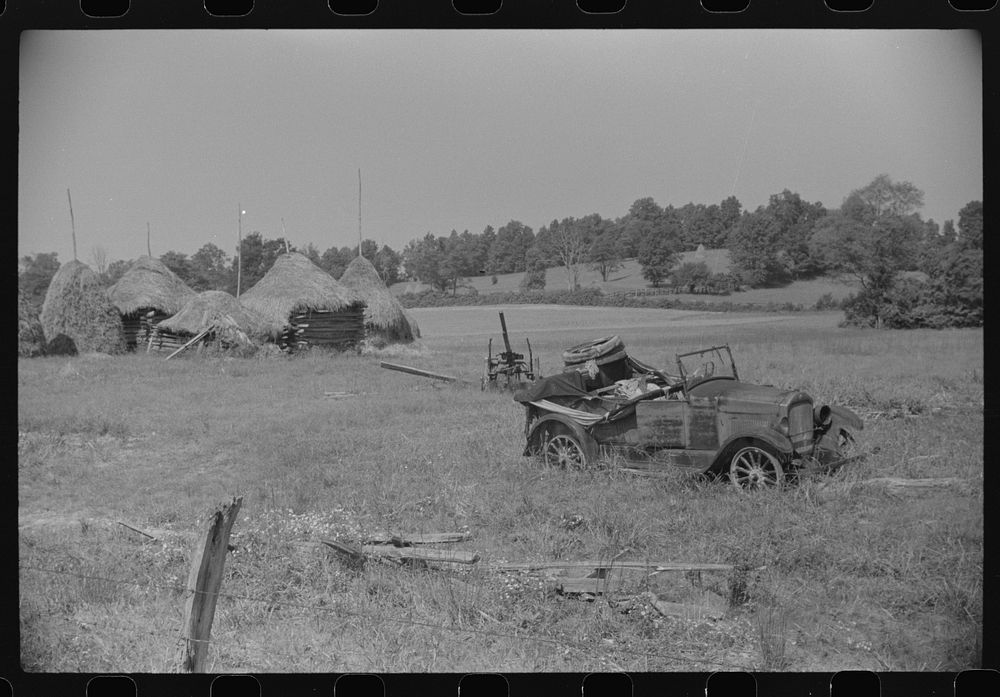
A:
{"x":703,"y":418}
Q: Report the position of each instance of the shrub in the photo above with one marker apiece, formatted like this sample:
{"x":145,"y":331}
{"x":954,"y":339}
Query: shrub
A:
{"x":533,"y":280}
{"x":30,"y":338}
{"x":827,"y":302}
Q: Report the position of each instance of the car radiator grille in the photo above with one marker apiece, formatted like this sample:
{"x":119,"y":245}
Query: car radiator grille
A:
{"x":800,"y":427}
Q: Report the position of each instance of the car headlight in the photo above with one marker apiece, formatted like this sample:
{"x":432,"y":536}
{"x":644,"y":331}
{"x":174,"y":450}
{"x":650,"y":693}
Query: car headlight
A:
{"x":783,"y":425}
{"x":822,"y":415}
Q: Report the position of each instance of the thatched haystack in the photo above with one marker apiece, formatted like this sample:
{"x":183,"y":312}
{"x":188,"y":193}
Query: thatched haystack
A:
{"x":302,"y":305}
{"x":384,"y":316}
{"x":77,"y":308}
{"x":414,"y":328}
{"x":30,"y":338}
{"x":145,"y":295}
{"x":226,"y":320}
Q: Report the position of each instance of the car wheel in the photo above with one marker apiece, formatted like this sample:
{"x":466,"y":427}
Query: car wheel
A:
{"x":755,"y":467}
{"x":564,"y":450}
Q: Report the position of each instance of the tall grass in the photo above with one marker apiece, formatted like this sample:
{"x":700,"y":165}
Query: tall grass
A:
{"x":828,"y":574}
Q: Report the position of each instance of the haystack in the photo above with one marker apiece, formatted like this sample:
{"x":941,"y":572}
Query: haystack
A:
{"x":77,"y":308}
{"x":145,"y":295}
{"x":302,"y":305}
{"x":384,"y":316}
{"x":30,"y":338}
{"x":216,"y":312}
{"x":414,"y":328}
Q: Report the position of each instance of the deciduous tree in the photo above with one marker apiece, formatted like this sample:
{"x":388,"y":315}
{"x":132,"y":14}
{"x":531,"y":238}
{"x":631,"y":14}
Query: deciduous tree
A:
{"x":658,"y":252}
{"x":35,"y":272}
{"x":211,"y":269}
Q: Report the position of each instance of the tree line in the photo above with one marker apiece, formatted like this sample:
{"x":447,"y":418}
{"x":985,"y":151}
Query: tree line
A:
{"x":876,"y":236}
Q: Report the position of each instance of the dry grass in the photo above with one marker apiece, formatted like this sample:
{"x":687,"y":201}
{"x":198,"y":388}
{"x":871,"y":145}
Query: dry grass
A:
{"x":830,"y":574}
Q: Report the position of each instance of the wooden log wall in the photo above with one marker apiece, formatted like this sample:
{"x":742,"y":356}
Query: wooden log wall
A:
{"x":136,"y":327}
{"x":342,"y":329}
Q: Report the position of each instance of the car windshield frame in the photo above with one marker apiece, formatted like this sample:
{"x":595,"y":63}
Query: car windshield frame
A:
{"x":719,"y":357}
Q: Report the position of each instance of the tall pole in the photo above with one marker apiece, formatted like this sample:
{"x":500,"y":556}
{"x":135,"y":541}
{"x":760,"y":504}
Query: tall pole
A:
{"x":239,"y":250}
{"x":359,"y":211}
{"x":72,"y":222}
{"x":149,"y":250}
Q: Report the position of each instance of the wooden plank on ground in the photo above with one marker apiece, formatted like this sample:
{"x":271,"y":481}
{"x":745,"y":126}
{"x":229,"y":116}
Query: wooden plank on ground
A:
{"x":351,"y":552}
{"x":594,"y":565}
{"x":425,"y":555}
{"x":417,"y":371}
{"x":418,"y":538}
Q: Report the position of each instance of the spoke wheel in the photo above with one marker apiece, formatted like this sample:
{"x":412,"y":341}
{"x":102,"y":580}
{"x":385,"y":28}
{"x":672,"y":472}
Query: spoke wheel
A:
{"x":754,"y":468}
{"x":564,"y":451}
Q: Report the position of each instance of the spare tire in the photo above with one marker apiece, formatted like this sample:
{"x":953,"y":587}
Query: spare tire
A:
{"x":603,"y":350}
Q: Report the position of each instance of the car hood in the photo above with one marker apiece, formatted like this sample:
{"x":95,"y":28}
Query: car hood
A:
{"x":736,"y":395}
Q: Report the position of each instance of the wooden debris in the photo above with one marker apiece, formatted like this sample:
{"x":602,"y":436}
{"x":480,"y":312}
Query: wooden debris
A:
{"x":654,"y":567}
{"x":589,"y":585}
{"x":900,"y":484}
{"x":339,"y":395}
{"x":400,"y":554}
{"x":424,"y":555}
{"x":706,"y":605}
{"x":198,"y":336}
{"x":126,"y":525}
{"x":418,"y":538}
{"x":352,"y":553}
{"x":418,"y":371}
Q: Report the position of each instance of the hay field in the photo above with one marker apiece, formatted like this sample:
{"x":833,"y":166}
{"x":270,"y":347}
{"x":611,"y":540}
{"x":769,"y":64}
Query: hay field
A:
{"x":831,"y":574}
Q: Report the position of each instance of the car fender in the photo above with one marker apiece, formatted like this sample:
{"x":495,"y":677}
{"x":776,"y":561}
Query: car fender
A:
{"x":845,"y":418}
{"x":776,"y":440}
{"x":537,"y":428}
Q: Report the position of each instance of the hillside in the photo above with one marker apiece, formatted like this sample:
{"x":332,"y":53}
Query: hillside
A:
{"x":629,"y":277}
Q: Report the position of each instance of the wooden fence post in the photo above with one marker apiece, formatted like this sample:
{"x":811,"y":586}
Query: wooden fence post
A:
{"x":204,"y":582}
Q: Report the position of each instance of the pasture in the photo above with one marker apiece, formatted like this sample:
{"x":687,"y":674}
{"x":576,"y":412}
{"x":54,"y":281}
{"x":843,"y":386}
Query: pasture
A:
{"x":829,"y":574}
{"x":629,"y":277}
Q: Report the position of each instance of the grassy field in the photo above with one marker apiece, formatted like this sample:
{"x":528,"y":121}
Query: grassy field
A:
{"x":629,"y":277}
{"x":829,"y":574}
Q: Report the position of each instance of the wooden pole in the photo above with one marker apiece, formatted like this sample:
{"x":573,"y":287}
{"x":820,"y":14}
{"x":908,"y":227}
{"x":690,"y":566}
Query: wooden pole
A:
{"x":204,"y":582}
{"x":239,"y":250}
{"x":359,"y":211}
{"x":417,"y":371}
{"x":182,"y":348}
{"x":72,"y":222}
{"x":284,"y":235}
{"x":149,"y":250}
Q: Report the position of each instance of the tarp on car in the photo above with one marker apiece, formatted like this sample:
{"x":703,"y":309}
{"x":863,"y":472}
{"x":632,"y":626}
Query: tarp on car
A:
{"x":571,"y":384}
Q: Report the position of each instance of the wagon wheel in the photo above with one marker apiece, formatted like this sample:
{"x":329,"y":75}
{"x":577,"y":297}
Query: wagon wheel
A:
{"x":564,"y":450}
{"x":755,"y":467}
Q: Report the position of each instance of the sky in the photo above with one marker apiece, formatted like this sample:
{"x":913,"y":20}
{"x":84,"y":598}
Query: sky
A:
{"x":463,"y":129}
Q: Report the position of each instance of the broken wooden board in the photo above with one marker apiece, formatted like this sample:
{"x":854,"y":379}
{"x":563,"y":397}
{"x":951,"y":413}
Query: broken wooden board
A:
{"x":430,"y":556}
{"x":339,"y":395}
{"x":350,"y":552}
{"x":705,"y":605}
{"x":654,"y":567}
{"x":589,"y":585}
{"x":418,"y":538}
{"x":901,"y":484}
{"x":418,"y":371}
